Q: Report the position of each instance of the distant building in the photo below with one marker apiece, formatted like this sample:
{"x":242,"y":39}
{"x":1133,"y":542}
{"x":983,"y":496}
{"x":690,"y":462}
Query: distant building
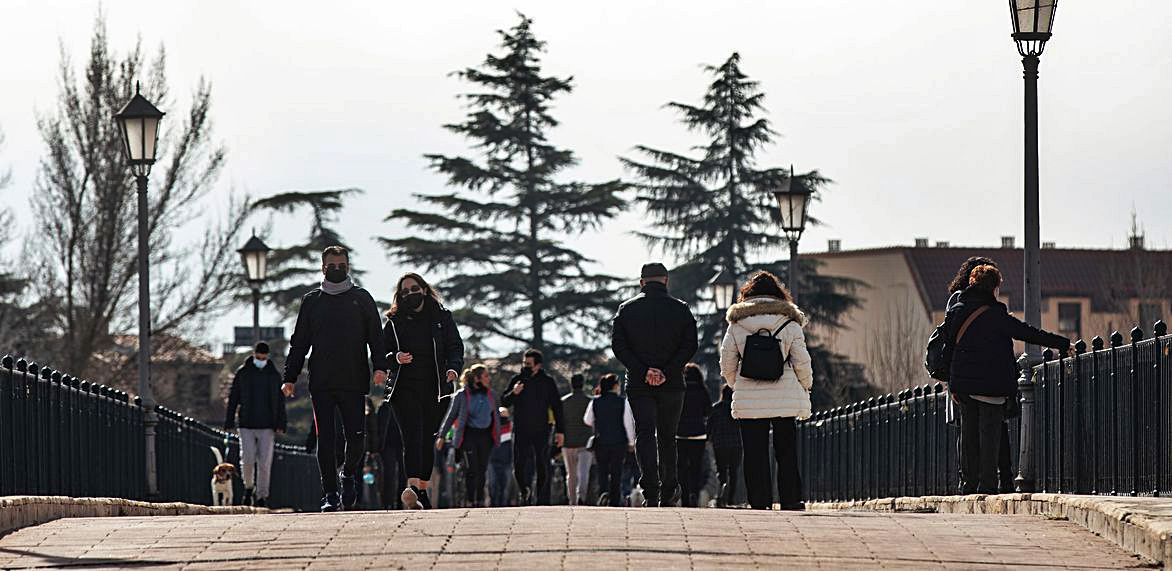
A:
{"x":1084,"y":293}
{"x":184,"y":377}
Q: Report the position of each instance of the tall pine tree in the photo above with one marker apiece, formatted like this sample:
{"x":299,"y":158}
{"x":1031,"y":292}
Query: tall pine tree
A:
{"x":499,"y":241}
{"x":715,"y":210}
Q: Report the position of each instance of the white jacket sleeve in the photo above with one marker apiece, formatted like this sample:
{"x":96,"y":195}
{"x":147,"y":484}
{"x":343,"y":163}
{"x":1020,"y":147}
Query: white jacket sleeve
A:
{"x":629,"y":423}
{"x":588,"y":418}
{"x":730,"y":357}
{"x":799,"y":358}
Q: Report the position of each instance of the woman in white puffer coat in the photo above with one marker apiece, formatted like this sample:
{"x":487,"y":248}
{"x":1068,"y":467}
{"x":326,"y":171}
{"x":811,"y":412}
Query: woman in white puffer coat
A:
{"x":759,"y":406}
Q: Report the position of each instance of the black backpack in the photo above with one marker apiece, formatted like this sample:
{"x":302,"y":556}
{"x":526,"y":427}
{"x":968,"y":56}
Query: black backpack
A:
{"x":761,"y":359}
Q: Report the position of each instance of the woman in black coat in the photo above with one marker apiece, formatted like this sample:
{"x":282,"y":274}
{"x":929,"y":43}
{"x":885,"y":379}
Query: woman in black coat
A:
{"x":984,"y":371}
{"x":691,"y":436}
{"x":423,"y":343}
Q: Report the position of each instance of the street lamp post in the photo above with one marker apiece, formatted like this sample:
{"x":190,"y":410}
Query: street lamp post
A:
{"x":794,"y":203}
{"x":724,"y":289}
{"x":1032,"y":24}
{"x":139,"y":122}
{"x":255,"y":255}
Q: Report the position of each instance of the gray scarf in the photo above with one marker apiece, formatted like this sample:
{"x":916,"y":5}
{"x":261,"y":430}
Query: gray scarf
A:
{"x":336,"y":289}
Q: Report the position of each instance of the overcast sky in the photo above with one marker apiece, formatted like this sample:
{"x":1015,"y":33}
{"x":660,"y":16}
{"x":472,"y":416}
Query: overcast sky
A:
{"x":912,"y":108}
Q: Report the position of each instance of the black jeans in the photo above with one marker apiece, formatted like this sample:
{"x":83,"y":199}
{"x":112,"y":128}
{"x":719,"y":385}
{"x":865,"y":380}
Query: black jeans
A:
{"x":981,"y":427}
{"x":609,"y":460}
{"x":690,"y":467}
{"x":476,"y":447}
{"x":419,"y":418}
{"x":755,"y":439}
{"x":728,"y":466}
{"x":531,"y":454}
{"x":327,"y":407}
{"x":657,"y":415}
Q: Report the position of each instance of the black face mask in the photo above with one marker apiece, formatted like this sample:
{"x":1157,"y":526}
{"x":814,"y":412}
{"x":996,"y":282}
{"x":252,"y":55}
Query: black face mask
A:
{"x":526,"y":372}
{"x":336,"y":275}
{"x":413,"y":300}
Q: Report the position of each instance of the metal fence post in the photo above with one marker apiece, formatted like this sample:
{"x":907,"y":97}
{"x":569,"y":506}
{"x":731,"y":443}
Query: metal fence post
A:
{"x":1025,"y":480}
{"x":1160,"y":330}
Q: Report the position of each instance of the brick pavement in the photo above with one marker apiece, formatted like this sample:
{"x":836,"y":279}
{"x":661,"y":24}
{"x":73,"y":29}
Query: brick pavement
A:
{"x":565,"y":538}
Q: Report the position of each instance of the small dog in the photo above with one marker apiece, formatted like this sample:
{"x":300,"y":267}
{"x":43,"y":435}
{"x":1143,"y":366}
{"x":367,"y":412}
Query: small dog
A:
{"x":635,"y":500}
{"x":222,"y":484}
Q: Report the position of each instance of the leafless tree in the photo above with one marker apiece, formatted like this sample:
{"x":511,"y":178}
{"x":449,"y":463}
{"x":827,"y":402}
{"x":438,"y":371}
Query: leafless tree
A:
{"x":894,"y":346}
{"x":84,"y":202}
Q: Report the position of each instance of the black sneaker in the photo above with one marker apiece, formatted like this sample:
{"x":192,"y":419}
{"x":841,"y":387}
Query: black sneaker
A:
{"x":424,"y":501}
{"x":261,"y":503}
{"x":604,"y":499}
{"x":331,"y":502}
{"x":793,"y":506}
{"x":673,"y":500}
{"x":525,"y":494}
{"x":246,"y":500}
{"x":349,"y":491}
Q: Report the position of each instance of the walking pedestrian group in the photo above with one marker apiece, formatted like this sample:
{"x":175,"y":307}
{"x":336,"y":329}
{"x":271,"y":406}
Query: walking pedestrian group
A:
{"x":662,"y":415}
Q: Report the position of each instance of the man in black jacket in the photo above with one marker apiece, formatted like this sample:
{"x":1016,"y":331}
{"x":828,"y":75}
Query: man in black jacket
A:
{"x":340,"y":322}
{"x":533,"y":394}
{"x":654,"y":336}
{"x":256,"y":392}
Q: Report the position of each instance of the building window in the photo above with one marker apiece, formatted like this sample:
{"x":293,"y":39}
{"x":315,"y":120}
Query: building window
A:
{"x":1149,"y":314}
{"x":1070,"y":319}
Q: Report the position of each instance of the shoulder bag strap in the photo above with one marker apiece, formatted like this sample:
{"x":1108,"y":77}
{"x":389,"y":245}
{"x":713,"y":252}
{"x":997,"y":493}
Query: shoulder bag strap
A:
{"x":965,"y":326}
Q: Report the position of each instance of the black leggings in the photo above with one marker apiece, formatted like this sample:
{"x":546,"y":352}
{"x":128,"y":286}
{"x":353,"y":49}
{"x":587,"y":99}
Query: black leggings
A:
{"x":327,"y":407}
{"x":690,"y":463}
{"x":477,"y":446}
{"x":419,"y":418}
{"x":755,"y":439}
{"x":728,"y":466}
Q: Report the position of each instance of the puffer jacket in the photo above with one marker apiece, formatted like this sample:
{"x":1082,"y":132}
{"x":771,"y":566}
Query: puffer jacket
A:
{"x":789,"y":396}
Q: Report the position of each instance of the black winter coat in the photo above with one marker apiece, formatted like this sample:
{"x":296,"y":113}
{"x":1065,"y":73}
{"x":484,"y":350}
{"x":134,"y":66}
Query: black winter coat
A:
{"x":257,"y":395}
{"x":693,"y":419}
{"x":340,"y":329}
{"x":446,"y":342}
{"x":983,"y":362}
{"x":531,"y":407}
{"x":723,"y":431}
{"x":654,"y":330}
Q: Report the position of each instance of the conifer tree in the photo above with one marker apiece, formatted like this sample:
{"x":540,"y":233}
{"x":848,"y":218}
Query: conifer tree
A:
{"x":499,"y":240}
{"x":715,"y":209}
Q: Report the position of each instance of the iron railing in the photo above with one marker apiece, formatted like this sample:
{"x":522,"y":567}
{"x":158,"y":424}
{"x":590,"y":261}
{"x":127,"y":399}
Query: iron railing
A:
{"x":60,"y":435}
{"x":1101,"y":424}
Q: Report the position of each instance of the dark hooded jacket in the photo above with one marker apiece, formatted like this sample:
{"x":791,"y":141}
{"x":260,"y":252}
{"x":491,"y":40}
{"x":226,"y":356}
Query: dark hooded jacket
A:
{"x":429,"y":335}
{"x":340,"y":329}
{"x":983,"y":361}
{"x":256,"y":393}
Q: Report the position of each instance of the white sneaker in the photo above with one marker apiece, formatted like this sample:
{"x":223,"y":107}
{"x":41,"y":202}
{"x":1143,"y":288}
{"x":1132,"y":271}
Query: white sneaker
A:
{"x":410,"y":499}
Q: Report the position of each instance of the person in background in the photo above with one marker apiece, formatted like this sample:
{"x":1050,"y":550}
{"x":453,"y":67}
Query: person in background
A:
{"x":256,"y":393}
{"x":691,"y":438}
{"x":654,"y":336}
{"x":533,"y":394}
{"x":613,"y":423}
{"x":428,"y":353}
{"x":501,"y":462}
{"x":578,"y":459}
{"x":761,"y":405}
{"x":476,"y":429}
{"x":339,"y":322}
{"x":1005,"y":471}
{"x":725,"y":437}
{"x":984,"y":371}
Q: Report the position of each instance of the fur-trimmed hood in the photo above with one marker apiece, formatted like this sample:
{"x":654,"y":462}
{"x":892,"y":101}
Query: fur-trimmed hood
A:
{"x":765,"y":305}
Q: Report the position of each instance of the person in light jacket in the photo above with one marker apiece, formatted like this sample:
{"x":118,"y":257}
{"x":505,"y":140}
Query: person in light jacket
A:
{"x":473,"y":415}
{"x":761,"y":405}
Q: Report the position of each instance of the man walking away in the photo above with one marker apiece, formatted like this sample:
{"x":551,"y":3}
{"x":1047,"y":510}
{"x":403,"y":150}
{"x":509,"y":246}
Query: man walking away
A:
{"x":532,"y":394}
{"x":578,"y":458}
{"x":256,"y":392}
{"x":614,"y":435}
{"x":340,"y":322}
{"x":654,"y":336}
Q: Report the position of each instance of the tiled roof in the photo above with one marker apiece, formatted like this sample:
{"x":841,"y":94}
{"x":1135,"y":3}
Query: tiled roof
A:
{"x":1105,"y":276}
{"x":169,"y":349}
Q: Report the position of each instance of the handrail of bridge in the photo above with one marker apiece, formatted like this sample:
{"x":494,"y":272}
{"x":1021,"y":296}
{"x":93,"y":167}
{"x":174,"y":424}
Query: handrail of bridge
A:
{"x":61,"y":435}
{"x":1100,"y":423}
